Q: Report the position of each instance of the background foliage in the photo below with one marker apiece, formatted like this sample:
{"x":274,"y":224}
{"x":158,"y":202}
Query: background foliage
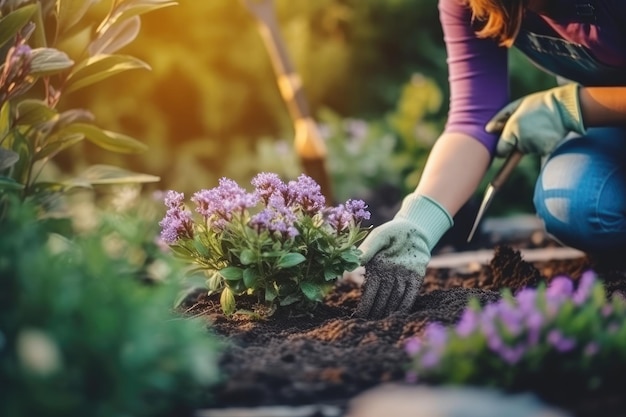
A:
{"x":81,"y":335}
{"x":211,"y":108}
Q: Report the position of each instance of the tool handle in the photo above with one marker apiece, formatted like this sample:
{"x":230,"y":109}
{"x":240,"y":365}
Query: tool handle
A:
{"x":505,"y":172}
{"x":289,"y":82}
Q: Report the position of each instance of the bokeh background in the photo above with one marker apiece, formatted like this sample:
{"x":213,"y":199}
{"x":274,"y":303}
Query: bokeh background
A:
{"x":374,"y":73}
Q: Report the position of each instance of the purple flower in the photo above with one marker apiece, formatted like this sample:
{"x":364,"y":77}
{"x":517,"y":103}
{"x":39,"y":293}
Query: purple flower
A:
{"x":494,"y":341}
{"x":305,"y":194}
{"x":560,"y":286}
{"x":436,"y":335}
{"x":358,"y":209}
{"x":585,"y":286}
{"x":512,"y":355}
{"x":534,"y":324}
{"x":266,"y":184}
{"x":276,"y":218}
{"x":412,"y":346}
{"x":218,"y":204}
{"x":338,"y":217}
{"x":512,"y":318}
{"x":177,"y":223}
{"x":174,"y":199}
{"x":468,"y":323}
{"x":430,"y":359}
{"x":560,"y":342}
{"x":527,"y":299}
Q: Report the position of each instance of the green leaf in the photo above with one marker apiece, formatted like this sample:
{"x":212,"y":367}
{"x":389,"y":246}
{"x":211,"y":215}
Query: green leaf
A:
{"x":214,"y":282}
{"x":227,"y":301}
{"x":101,"y":67}
{"x":8,"y":158}
{"x":360,"y":236}
{"x":270,"y":293}
{"x":111,"y":141}
{"x":247,"y":257}
{"x":23,"y":148}
{"x":14,"y":21}
{"x":311,"y":291}
{"x":290,"y":299}
{"x":250,"y":278}
{"x":5,"y":120}
{"x":69,"y":12}
{"x":350,"y":257}
{"x":116,"y":37}
{"x":57,"y":146}
{"x":232,"y":273}
{"x":48,"y":61}
{"x":33,"y":112}
{"x":10,"y":184}
{"x":64,"y":121}
{"x":133,"y":8}
{"x":48,"y":187}
{"x":330,"y":274}
{"x":291,"y":259}
{"x":106,"y":174}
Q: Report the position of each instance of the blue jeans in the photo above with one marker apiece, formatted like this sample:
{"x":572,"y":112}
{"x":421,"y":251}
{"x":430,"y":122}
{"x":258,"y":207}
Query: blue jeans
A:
{"x":581,"y":191}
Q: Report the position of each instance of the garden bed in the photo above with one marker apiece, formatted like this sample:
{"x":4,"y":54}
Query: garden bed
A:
{"x":329,"y":356}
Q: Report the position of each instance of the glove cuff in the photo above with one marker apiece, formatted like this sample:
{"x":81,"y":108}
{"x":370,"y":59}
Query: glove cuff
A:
{"x":430,"y":217}
{"x":569,"y":106}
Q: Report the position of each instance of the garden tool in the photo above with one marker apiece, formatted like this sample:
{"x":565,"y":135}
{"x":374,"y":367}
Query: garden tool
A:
{"x":308,"y":142}
{"x":496,"y":183}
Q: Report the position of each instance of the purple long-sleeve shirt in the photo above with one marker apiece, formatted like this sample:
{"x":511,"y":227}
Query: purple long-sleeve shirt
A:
{"x":478,"y":71}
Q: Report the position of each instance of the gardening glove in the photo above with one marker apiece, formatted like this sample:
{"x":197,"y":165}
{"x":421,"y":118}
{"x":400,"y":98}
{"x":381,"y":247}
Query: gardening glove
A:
{"x":395,"y":255}
{"x":538,"y":122}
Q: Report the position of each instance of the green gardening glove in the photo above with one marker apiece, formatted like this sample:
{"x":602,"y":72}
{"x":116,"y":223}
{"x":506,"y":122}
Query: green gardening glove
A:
{"x":395,"y":255}
{"x":538,"y":122}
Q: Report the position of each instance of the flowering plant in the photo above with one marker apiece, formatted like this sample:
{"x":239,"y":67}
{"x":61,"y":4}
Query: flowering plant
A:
{"x":279,"y":242}
{"x":535,"y":340}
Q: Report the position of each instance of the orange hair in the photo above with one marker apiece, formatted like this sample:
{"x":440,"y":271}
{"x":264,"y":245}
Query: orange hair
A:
{"x":501,"y":19}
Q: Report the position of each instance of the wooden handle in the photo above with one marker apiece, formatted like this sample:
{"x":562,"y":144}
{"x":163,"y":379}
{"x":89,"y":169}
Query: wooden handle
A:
{"x":308,"y":140}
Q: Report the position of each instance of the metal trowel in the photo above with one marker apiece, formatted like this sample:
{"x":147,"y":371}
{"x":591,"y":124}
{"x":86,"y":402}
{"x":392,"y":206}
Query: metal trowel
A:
{"x":496,"y":183}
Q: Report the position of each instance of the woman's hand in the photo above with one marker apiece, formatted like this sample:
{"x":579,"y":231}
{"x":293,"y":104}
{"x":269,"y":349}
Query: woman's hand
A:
{"x":538,"y":122}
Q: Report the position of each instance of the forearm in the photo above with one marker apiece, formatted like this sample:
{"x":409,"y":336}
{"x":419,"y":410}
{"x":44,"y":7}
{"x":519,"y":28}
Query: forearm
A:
{"x":455,"y":168}
{"x":603,"y":106}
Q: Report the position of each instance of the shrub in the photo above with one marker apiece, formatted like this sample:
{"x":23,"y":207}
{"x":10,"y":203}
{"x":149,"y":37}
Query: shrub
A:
{"x":49,"y":50}
{"x":279,"y":242}
{"x":550,"y":340}
{"x":81,"y":336}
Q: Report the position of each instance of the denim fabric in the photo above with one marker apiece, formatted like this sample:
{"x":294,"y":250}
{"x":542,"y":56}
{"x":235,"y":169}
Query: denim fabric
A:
{"x":581,"y":191}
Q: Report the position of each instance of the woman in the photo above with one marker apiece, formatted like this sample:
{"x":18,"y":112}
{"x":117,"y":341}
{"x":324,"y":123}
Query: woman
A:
{"x":579,"y":126}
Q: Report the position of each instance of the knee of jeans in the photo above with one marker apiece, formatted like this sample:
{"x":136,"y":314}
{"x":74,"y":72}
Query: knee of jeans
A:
{"x":559,"y":219}
{"x":579,"y":225}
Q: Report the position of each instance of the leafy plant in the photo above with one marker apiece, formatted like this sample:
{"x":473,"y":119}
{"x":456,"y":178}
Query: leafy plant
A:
{"x":49,"y":49}
{"x":279,"y":242}
{"x":80,"y":335}
{"x":549,"y":340}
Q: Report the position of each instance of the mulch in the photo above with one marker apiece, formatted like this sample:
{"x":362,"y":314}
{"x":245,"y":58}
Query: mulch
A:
{"x":329,"y":356}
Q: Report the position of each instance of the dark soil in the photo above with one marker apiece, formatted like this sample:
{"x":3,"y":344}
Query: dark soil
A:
{"x":330,"y":356}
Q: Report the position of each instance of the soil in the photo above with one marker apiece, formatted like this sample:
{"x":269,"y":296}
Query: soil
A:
{"x":331,"y":356}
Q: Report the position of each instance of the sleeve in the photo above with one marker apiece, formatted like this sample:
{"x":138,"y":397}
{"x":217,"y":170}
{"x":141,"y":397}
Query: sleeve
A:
{"x":478,"y":74}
